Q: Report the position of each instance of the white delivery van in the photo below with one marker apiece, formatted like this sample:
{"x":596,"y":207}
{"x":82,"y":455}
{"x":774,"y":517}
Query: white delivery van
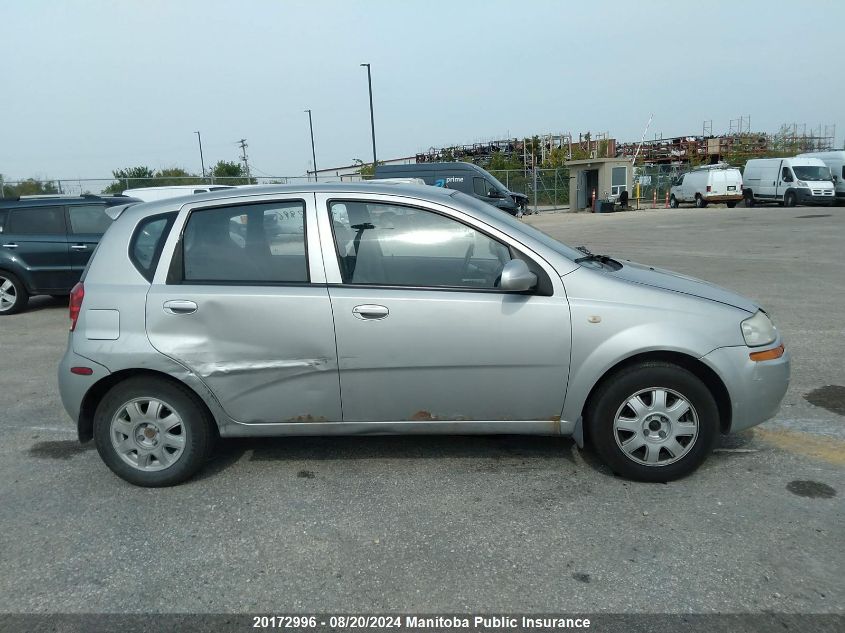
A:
{"x":789,"y":181}
{"x":712,"y":183}
{"x":835,"y":160}
{"x":148,"y":194}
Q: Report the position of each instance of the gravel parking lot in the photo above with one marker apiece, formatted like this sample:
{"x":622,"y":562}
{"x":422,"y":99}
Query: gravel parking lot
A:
{"x":456,"y":524}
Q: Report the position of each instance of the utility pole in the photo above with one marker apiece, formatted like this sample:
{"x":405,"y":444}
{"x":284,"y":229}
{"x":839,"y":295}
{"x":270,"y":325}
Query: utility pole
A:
{"x":372,"y":118}
{"x":245,"y":159}
{"x":313,"y":153}
{"x":202,"y":162}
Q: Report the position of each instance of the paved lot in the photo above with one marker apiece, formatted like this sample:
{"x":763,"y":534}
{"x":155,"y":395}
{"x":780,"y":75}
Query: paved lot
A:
{"x":458,"y":524}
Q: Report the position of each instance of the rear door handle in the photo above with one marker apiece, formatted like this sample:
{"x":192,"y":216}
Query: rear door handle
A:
{"x":79,"y":247}
{"x":10,"y":245}
{"x":180,"y":307}
{"x":370,"y":312}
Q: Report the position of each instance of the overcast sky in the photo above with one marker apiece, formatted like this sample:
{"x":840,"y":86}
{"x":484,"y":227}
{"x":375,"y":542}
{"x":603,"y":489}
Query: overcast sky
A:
{"x":88,"y":87}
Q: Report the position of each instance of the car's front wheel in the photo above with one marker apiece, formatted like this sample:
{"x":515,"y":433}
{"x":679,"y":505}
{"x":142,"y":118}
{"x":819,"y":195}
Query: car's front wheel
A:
{"x":673,"y":202}
{"x":13,"y":295}
{"x":653,"y":421}
{"x":152,"y":432}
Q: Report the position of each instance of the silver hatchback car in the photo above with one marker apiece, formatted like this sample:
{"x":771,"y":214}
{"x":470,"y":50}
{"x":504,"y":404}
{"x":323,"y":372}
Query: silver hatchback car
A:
{"x":393,"y":308}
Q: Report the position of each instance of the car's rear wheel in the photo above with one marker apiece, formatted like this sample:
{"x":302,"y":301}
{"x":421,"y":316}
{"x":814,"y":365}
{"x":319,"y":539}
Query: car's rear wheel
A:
{"x":13,"y":295}
{"x":673,"y":201}
{"x":699,"y":201}
{"x":790,"y":199}
{"x":653,"y":421}
{"x":152,"y":432}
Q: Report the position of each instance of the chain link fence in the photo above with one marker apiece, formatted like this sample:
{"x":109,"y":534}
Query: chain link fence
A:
{"x":80,"y":186}
{"x":552,"y":185}
{"x":653,"y":182}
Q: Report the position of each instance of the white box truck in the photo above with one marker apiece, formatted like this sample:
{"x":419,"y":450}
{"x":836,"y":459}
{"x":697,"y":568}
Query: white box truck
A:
{"x":835,"y":160}
{"x":788,"y":181}
{"x":713,"y":183}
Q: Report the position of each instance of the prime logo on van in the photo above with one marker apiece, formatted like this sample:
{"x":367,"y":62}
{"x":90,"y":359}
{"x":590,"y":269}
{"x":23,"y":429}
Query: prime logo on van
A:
{"x":442,"y":182}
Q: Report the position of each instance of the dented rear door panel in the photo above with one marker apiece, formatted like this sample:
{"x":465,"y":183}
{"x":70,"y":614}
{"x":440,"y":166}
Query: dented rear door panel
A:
{"x":267,"y":353}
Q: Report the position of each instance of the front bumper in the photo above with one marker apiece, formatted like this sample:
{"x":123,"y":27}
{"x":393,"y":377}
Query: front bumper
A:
{"x":755,"y":388}
{"x":805,"y":196}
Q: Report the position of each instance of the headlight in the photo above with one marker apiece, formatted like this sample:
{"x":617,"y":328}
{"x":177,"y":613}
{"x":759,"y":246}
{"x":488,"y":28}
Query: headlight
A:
{"x":801,"y":184}
{"x":758,"y":330}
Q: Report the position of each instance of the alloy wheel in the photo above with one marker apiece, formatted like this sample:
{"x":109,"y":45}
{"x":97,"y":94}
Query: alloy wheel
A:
{"x":148,"y":434}
{"x":656,"y":426}
{"x":8,"y":294}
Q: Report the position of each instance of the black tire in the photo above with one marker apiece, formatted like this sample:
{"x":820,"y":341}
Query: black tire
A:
{"x":196,"y":428}
{"x":731,"y":205}
{"x":790,"y":199}
{"x":748,"y":199}
{"x":15,"y":289}
{"x":700,"y":202}
{"x":673,"y":202}
{"x":610,"y":399}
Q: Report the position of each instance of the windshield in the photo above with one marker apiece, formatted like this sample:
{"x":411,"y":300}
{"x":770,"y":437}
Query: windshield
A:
{"x":811,"y":173}
{"x":521,"y":227}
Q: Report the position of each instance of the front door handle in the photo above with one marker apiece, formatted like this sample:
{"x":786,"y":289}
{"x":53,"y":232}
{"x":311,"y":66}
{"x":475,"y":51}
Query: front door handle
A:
{"x":180,"y":307}
{"x":370,"y":312}
{"x":79,"y":247}
{"x":10,"y":245}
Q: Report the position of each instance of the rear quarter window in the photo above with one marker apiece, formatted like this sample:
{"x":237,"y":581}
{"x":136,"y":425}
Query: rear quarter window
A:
{"x":88,"y":218}
{"x":148,"y":241}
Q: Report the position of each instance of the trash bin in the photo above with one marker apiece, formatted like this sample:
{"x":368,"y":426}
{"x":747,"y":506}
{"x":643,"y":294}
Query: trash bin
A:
{"x":603,"y":206}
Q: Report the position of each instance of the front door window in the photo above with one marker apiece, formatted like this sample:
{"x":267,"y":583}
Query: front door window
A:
{"x":389,"y":245}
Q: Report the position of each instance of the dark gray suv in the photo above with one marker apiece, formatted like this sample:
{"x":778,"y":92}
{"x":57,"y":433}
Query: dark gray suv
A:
{"x":45,"y":243}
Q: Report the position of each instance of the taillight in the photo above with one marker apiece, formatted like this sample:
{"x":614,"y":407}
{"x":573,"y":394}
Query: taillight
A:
{"x":76,"y":297}
{"x":708,"y":188}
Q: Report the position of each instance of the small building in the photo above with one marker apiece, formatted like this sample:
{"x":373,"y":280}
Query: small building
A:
{"x":598,"y":178}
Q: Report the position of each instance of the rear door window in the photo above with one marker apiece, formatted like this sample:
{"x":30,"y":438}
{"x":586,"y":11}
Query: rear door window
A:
{"x":88,"y":218}
{"x":37,"y":221}
{"x":247,"y":244}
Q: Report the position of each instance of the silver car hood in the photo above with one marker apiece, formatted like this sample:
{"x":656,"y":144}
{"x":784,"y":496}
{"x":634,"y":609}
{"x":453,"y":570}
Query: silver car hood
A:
{"x":666,"y":279}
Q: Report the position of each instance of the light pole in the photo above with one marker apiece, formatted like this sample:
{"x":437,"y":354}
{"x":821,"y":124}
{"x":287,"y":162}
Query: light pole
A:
{"x":202,"y":162}
{"x":372,"y":119}
{"x":313,"y":153}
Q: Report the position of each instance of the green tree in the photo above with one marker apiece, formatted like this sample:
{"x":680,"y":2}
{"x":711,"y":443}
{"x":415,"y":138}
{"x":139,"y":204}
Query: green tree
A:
{"x":231,"y":173}
{"x":128,"y":177}
{"x":365,"y":169}
{"x":30,"y":187}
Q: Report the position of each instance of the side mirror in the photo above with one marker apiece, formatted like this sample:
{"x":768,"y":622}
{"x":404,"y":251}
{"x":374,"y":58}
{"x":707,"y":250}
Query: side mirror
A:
{"x":517,"y":277}
{"x":493,"y":194}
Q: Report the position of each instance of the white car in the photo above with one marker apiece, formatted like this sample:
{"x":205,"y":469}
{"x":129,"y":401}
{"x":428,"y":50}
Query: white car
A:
{"x":714,"y":183}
